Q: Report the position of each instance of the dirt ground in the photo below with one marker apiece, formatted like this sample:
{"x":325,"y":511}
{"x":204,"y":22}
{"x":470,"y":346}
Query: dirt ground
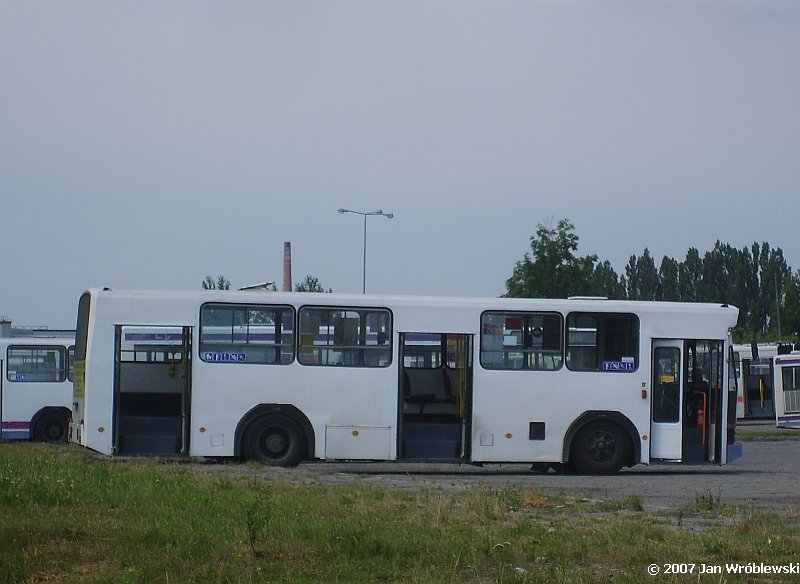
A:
{"x":766,"y":477}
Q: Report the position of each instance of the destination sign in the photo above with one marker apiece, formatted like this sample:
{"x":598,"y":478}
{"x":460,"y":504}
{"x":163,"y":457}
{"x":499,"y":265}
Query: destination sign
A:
{"x":624,"y":366}
{"x":225,"y":357}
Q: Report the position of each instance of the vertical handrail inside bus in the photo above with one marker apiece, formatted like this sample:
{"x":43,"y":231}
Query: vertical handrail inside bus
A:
{"x":701,"y":419}
{"x":460,"y":376}
{"x":461,"y":382}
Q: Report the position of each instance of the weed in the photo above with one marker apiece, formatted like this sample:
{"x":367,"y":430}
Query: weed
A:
{"x":707,"y":502}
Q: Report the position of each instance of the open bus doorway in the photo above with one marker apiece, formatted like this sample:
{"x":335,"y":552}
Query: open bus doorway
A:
{"x":689,"y":410}
{"x":435,"y":400}
{"x":152,"y":390}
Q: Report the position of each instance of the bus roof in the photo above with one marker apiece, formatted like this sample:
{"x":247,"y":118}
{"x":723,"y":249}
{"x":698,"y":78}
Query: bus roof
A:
{"x":717,"y":316}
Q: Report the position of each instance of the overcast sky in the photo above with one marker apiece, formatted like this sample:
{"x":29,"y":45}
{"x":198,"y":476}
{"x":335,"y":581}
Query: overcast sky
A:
{"x":147,"y":144}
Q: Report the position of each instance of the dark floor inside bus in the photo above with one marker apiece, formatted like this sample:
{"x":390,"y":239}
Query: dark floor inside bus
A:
{"x":432,"y":437}
{"x":149,"y":424}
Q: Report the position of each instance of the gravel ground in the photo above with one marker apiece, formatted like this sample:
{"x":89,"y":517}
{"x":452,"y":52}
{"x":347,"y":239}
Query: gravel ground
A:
{"x":766,"y":477}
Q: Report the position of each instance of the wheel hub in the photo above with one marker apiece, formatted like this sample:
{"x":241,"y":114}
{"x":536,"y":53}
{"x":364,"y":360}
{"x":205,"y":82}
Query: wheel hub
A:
{"x":275,"y":443}
{"x":601,"y":446}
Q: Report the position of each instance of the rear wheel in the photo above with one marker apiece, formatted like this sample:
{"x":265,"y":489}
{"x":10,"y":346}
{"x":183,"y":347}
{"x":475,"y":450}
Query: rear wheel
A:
{"x":51,"y":427}
{"x":600,"y":448}
{"x":276,"y":440}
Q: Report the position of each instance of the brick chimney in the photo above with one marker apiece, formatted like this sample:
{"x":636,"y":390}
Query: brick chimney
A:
{"x":287,"y":266}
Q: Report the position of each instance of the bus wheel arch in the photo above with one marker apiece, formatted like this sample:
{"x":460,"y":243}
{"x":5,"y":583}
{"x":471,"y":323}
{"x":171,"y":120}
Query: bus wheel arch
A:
{"x":276,"y":434}
{"x":601,"y":442}
{"x":51,"y":424}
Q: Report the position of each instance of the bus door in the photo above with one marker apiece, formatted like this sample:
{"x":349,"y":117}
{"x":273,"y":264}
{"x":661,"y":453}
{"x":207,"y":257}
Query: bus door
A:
{"x":435,"y":396}
{"x":152,"y":384}
{"x":689,"y":408}
{"x":758,"y":391}
{"x":666,"y":437}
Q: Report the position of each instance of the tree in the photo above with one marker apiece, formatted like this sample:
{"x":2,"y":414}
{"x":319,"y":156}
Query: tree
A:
{"x":606,"y":282}
{"x":690,"y":274}
{"x":642,"y":277}
{"x":632,"y":279}
{"x":790,"y":314}
{"x":552,"y":270}
{"x":773,"y":281}
{"x":668,"y":280}
{"x":310,"y":284}
{"x":220,"y":284}
{"x":714,"y":282}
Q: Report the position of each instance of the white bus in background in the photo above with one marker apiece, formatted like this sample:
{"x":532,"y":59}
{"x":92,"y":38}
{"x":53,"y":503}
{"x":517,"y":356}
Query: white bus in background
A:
{"x":36,"y":387}
{"x":787,"y":390}
{"x":284,"y":377}
{"x":755,"y":376}
{"x":754,"y":380}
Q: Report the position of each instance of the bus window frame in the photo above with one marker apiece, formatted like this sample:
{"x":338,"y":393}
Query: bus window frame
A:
{"x":62,"y":369}
{"x":362,"y":350}
{"x":600,"y":360}
{"x":525,"y":349}
{"x":247,"y":307}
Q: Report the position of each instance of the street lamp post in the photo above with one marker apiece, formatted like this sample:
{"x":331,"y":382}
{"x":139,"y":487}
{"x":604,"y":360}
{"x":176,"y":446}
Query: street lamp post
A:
{"x":365,"y":216}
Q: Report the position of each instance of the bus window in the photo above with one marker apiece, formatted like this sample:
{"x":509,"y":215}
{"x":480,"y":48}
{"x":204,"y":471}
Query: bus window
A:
{"x":351,"y":337}
{"x":44,"y":364}
{"x":666,"y":384}
{"x":518,"y":340}
{"x":602,"y":342}
{"x":431,"y":350}
{"x":247,"y":334}
{"x":791,"y":389}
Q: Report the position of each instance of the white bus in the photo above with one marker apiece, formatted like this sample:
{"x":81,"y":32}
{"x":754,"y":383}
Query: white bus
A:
{"x":286,"y":377}
{"x":35,"y":387}
{"x":754,"y":377}
{"x":787,"y":390}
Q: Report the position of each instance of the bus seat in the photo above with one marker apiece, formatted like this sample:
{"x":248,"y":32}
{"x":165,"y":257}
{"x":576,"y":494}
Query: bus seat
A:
{"x":425,"y":386}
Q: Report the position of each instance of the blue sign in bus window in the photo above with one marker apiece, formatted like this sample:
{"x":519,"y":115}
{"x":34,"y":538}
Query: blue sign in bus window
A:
{"x":626,"y":365}
{"x":225,"y":357}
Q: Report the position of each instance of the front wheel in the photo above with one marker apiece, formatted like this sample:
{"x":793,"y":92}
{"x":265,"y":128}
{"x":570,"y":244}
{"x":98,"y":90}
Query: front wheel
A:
{"x":275,"y":440}
{"x":600,"y":448}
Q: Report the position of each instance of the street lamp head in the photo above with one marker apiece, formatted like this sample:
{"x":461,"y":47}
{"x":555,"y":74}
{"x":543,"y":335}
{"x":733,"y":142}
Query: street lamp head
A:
{"x":342,"y":211}
{"x":389,"y":215}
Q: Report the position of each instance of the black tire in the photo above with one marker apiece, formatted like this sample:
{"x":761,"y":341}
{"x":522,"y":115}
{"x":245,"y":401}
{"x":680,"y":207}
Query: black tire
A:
{"x":600,"y":448}
{"x":276,"y":440}
{"x":51,"y":427}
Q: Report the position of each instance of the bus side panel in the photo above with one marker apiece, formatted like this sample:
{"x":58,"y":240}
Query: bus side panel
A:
{"x":98,"y":403}
{"x":523,"y":416}
{"x":359,"y":403}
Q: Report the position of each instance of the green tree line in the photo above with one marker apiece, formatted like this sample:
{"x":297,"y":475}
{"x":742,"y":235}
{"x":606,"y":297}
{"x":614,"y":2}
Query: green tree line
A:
{"x":309,"y":284}
{"x":757,"y":279}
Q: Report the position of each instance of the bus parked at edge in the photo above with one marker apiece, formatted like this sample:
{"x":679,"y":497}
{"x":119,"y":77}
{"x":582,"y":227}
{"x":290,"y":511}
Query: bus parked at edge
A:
{"x":285,"y":377}
{"x":754,"y":380}
{"x":36,"y":387}
{"x":787,"y":390}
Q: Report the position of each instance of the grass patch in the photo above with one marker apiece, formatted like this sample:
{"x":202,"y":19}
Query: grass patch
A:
{"x":778,"y":435}
{"x":71,"y":516}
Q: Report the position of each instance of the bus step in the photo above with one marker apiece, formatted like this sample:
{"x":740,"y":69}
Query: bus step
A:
{"x":429,"y":440}
{"x":149,"y":435}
